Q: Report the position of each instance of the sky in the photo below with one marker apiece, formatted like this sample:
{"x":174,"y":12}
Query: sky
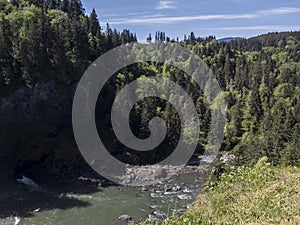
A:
{"x":221,"y":18}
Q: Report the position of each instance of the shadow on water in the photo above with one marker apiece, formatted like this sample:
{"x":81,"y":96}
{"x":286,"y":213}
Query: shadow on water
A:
{"x":58,"y":157}
{"x":19,"y":200}
{"x":50,"y":162}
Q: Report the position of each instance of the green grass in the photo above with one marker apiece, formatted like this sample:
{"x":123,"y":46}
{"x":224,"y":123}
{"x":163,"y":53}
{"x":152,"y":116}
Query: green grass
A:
{"x":258,"y":195}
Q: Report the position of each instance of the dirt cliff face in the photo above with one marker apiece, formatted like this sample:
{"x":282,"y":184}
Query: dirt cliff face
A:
{"x":36,"y":133}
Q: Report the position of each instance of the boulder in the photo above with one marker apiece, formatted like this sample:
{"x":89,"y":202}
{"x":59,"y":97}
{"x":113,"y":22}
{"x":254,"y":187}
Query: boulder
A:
{"x":125,"y":217}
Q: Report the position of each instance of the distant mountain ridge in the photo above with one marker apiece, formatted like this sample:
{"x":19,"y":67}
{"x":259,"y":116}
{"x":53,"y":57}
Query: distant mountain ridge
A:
{"x":228,"y":39}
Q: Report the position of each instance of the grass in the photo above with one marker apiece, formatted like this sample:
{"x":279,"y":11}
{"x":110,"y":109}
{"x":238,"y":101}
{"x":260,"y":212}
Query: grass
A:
{"x":262,"y":194}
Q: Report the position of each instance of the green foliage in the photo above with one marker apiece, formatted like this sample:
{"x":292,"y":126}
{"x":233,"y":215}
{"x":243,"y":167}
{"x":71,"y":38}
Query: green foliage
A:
{"x":51,"y":40}
{"x":261,"y":194}
{"x":260,"y":77}
{"x":44,"y":40}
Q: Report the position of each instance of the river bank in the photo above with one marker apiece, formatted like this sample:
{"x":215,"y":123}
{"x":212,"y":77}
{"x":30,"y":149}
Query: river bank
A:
{"x":262,"y":194}
{"x":85,"y":202}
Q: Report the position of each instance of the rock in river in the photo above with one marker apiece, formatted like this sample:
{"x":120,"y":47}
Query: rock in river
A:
{"x":125,"y":217}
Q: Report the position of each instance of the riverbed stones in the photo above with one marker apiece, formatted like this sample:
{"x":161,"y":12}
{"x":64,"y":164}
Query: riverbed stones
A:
{"x":125,"y":217}
{"x":227,"y":158}
{"x":144,"y":189}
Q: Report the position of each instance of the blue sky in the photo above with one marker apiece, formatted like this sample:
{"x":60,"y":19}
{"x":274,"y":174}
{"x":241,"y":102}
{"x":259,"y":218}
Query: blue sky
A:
{"x":222,"y":18}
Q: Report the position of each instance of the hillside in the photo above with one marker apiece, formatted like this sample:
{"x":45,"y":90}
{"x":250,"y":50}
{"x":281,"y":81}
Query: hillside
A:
{"x":46,"y":47}
{"x":260,"y":195}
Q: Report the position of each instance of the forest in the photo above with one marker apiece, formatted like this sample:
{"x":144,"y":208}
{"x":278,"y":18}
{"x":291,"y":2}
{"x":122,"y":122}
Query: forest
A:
{"x":54,"y":40}
{"x":47,"y":45}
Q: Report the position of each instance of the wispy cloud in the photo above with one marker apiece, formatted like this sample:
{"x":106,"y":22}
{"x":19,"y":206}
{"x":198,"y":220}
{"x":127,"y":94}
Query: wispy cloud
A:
{"x":166,"y":4}
{"x":152,"y":16}
{"x":278,"y":11}
{"x":112,"y":15}
{"x":138,"y":13}
{"x":164,"y":20}
{"x":267,"y":27}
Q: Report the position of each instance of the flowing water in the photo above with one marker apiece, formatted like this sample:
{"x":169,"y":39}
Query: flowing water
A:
{"x":76,"y":205}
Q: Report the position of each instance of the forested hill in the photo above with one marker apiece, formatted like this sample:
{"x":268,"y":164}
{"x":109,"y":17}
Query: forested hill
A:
{"x":261,"y":79}
{"x":50,"y":39}
{"x":265,"y":40}
{"x":46,"y":45}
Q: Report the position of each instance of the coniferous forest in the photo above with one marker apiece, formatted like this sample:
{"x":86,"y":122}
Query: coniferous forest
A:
{"x":55,"y":40}
{"x":46,"y":45}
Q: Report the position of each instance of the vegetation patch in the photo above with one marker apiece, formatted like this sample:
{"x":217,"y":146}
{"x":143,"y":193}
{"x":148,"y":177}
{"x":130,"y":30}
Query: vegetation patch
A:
{"x":262,"y":194}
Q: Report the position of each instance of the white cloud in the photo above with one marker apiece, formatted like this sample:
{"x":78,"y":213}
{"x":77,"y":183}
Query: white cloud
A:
{"x":278,"y":11}
{"x":267,"y":27}
{"x":164,"y":20}
{"x":152,"y":16}
{"x":166,"y":4}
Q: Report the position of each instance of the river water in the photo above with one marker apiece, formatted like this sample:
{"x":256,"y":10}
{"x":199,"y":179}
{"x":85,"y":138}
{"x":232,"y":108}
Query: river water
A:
{"x":72,"y":204}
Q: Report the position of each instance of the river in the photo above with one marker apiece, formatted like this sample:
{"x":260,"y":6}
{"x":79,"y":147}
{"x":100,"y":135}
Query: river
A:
{"x":72,"y":204}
